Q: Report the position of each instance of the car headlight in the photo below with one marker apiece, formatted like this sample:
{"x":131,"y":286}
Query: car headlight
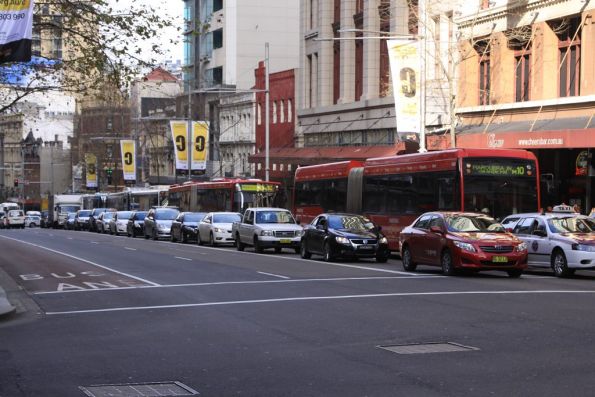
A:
{"x":342,"y":240}
{"x":521,"y":247}
{"x":298,"y":233}
{"x":267,"y":233}
{"x":162,"y":227}
{"x":583,"y":247}
{"x":218,"y":230}
{"x":383,"y":240}
{"x":465,"y":246}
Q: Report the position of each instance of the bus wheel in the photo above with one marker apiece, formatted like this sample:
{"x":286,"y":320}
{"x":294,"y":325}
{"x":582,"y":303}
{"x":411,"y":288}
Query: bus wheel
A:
{"x":239,"y":245}
{"x":448,"y":268}
{"x":407,"y":259}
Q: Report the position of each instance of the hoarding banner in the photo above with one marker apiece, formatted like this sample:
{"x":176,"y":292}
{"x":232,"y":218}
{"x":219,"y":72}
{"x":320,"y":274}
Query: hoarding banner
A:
{"x":405,"y":65}
{"x":179,"y":135}
{"x":128,"y":149}
{"x":16,"y":25}
{"x":200,"y":139}
{"x":91,"y":166}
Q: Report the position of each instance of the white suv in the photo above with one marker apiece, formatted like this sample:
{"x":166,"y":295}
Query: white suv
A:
{"x":562,"y":239}
{"x":15,"y":218}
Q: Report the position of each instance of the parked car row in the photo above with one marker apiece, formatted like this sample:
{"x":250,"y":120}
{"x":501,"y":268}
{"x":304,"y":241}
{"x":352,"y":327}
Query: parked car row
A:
{"x":562,"y":240}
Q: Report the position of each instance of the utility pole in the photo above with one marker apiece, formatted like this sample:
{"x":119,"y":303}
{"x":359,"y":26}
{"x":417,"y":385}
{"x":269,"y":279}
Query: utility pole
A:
{"x":266,"y":111}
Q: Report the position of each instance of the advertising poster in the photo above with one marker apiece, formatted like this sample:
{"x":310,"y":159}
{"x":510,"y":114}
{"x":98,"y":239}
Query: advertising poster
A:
{"x":179,"y":135}
{"x":128,"y":149}
{"x":16,"y":25}
{"x":405,"y":68}
{"x":91,"y":166}
{"x":200,"y":139}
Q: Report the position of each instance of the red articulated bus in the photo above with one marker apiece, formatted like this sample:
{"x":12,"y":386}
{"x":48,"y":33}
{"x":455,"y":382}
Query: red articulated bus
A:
{"x":233,"y":195}
{"x":393,"y":191}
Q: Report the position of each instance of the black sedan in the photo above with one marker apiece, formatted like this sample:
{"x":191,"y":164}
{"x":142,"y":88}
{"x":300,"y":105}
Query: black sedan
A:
{"x":185,"y":226}
{"x":136,"y":224}
{"x":343,"y":235}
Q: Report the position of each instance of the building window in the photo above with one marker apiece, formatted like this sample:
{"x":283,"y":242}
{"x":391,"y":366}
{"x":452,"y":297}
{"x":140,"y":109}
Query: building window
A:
{"x":274,"y":112}
{"x":289,"y":111}
{"x":312,"y":21}
{"x":217,"y":5}
{"x":217,"y":38}
{"x":384,"y":14}
{"x":312,"y":80}
{"x":569,"y":51}
{"x":259,"y":114}
{"x":282,"y":111}
{"x":482,"y":48}
{"x":522,"y":66}
{"x":218,"y":75}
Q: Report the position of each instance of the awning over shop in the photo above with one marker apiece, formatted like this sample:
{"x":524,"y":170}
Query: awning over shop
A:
{"x":319,"y":155}
{"x":578,"y":132}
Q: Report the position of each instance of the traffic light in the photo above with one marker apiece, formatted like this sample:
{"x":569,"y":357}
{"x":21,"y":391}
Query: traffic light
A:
{"x":109,"y":175}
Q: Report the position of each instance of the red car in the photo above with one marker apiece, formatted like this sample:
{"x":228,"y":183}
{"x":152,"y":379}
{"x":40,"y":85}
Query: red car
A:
{"x":461,"y":240}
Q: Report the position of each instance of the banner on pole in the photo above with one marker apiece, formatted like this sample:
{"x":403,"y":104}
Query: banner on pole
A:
{"x":91,"y":166}
{"x":128,"y":149}
{"x":16,"y":26}
{"x":405,"y":65}
{"x":200,"y":140}
{"x":179,"y":134}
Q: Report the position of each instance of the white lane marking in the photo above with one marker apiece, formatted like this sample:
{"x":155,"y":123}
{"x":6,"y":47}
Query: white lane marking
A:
{"x":130,"y":249}
{"x":69,"y":238}
{"x":94,"y":242}
{"x":319,"y":298}
{"x":82,"y":260}
{"x":182,"y":258}
{"x":306,"y":280}
{"x":273,"y":275}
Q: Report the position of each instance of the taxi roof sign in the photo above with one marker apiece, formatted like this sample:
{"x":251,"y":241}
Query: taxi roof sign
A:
{"x":563,"y":208}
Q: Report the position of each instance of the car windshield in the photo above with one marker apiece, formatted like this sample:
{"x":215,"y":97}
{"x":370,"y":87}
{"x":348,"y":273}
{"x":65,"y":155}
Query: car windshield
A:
{"x":350,"y":222}
{"x":124,"y":215}
{"x":140,"y":215}
{"x":166,"y":214}
{"x":194,"y":216}
{"x":226,"y":218}
{"x":69,"y":208}
{"x":108,"y":215}
{"x":84,"y":213}
{"x":472,"y":224}
{"x":71,"y":215}
{"x":274,"y":217}
{"x":98,"y":211}
{"x":571,"y":224}
{"x":15,"y":213}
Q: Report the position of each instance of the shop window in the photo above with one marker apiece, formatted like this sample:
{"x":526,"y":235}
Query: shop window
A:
{"x":568,"y":31}
{"x":521,"y":44}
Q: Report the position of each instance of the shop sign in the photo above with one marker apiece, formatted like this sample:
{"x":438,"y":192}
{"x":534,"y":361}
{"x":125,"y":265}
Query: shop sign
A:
{"x":582,"y":163}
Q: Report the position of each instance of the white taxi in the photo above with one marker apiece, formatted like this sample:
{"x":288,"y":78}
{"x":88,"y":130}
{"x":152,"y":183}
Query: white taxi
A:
{"x":562,"y":239}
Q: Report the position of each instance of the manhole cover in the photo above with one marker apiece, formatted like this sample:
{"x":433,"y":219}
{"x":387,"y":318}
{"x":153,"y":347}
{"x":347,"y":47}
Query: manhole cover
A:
{"x":157,"y":389}
{"x":433,"y":347}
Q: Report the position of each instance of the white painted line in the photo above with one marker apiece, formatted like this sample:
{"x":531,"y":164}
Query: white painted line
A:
{"x":82,"y":260}
{"x":274,"y":275}
{"x":69,"y":238}
{"x":51,"y":235}
{"x":182,"y":258}
{"x":307,"y":280}
{"x":130,"y":249}
{"x":319,"y":298}
{"x":94,"y":242}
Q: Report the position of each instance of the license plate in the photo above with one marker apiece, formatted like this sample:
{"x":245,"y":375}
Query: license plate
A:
{"x":285,"y":241}
{"x":499,"y":259}
{"x":366,"y":247}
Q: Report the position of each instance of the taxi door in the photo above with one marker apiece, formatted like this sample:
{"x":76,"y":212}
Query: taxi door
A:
{"x":540,"y":247}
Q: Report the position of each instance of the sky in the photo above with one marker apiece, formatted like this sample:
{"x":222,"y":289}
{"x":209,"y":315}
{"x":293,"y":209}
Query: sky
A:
{"x":169,"y":8}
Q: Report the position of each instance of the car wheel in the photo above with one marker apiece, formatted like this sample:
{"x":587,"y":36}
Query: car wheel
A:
{"x":154,"y":234}
{"x":31,"y":225}
{"x":183,"y":237}
{"x":328,"y":255}
{"x":448,"y":268}
{"x":560,"y":264}
{"x":239,"y":245}
{"x":381,"y":258}
{"x":278,"y":250}
{"x":198,"y":239}
{"x":407,"y":260}
{"x":212,"y":240}
{"x":257,"y":246}
{"x":304,"y":250}
{"x":146,"y":235}
{"x":172,"y":238}
{"x":514,"y":273}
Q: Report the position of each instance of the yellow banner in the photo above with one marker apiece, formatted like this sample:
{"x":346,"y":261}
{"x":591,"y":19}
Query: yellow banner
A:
{"x":180,"y":136}
{"x":128,"y":149}
{"x":91,"y":166}
{"x":200,"y":147}
{"x":14,"y":5}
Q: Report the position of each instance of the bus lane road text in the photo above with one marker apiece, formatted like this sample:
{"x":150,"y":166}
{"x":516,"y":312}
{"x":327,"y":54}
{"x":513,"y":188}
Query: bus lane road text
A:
{"x":75,"y":281}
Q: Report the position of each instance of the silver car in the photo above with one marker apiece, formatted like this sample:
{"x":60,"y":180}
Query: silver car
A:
{"x":215,"y":228}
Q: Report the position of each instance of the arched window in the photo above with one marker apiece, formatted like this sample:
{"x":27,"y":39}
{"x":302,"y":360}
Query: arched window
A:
{"x":282,"y":111}
{"x":259,"y":114}
{"x":289,"y":111}
{"x":274,"y":112}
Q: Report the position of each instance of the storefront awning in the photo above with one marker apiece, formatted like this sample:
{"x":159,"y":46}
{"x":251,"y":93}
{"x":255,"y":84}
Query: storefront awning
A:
{"x":319,"y":155}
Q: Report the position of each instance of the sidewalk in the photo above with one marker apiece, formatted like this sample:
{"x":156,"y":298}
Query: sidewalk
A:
{"x":6,"y":308}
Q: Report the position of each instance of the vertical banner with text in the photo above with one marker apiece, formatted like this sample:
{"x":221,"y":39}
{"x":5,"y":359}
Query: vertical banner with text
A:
{"x":200,"y":139}
{"x":91,"y":166}
{"x":179,"y":135}
{"x":128,"y":148}
{"x":16,"y":26}
{"x":405,"y":65}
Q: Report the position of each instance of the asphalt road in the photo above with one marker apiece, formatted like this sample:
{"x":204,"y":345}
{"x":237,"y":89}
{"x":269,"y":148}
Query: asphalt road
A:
{"x":100,"y":309}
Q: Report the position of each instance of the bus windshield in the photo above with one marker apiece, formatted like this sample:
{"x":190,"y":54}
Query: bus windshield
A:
{"x":499,"y":186}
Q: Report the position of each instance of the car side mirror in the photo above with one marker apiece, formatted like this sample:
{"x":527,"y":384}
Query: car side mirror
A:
{"x":298,"y":220}
{"x":436,"y":229}
{"x":321,"y":227}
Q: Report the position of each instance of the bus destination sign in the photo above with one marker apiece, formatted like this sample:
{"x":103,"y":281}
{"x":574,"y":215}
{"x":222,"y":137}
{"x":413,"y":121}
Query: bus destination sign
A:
{"x":490,"y":169}
{"x":257,"y":187}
